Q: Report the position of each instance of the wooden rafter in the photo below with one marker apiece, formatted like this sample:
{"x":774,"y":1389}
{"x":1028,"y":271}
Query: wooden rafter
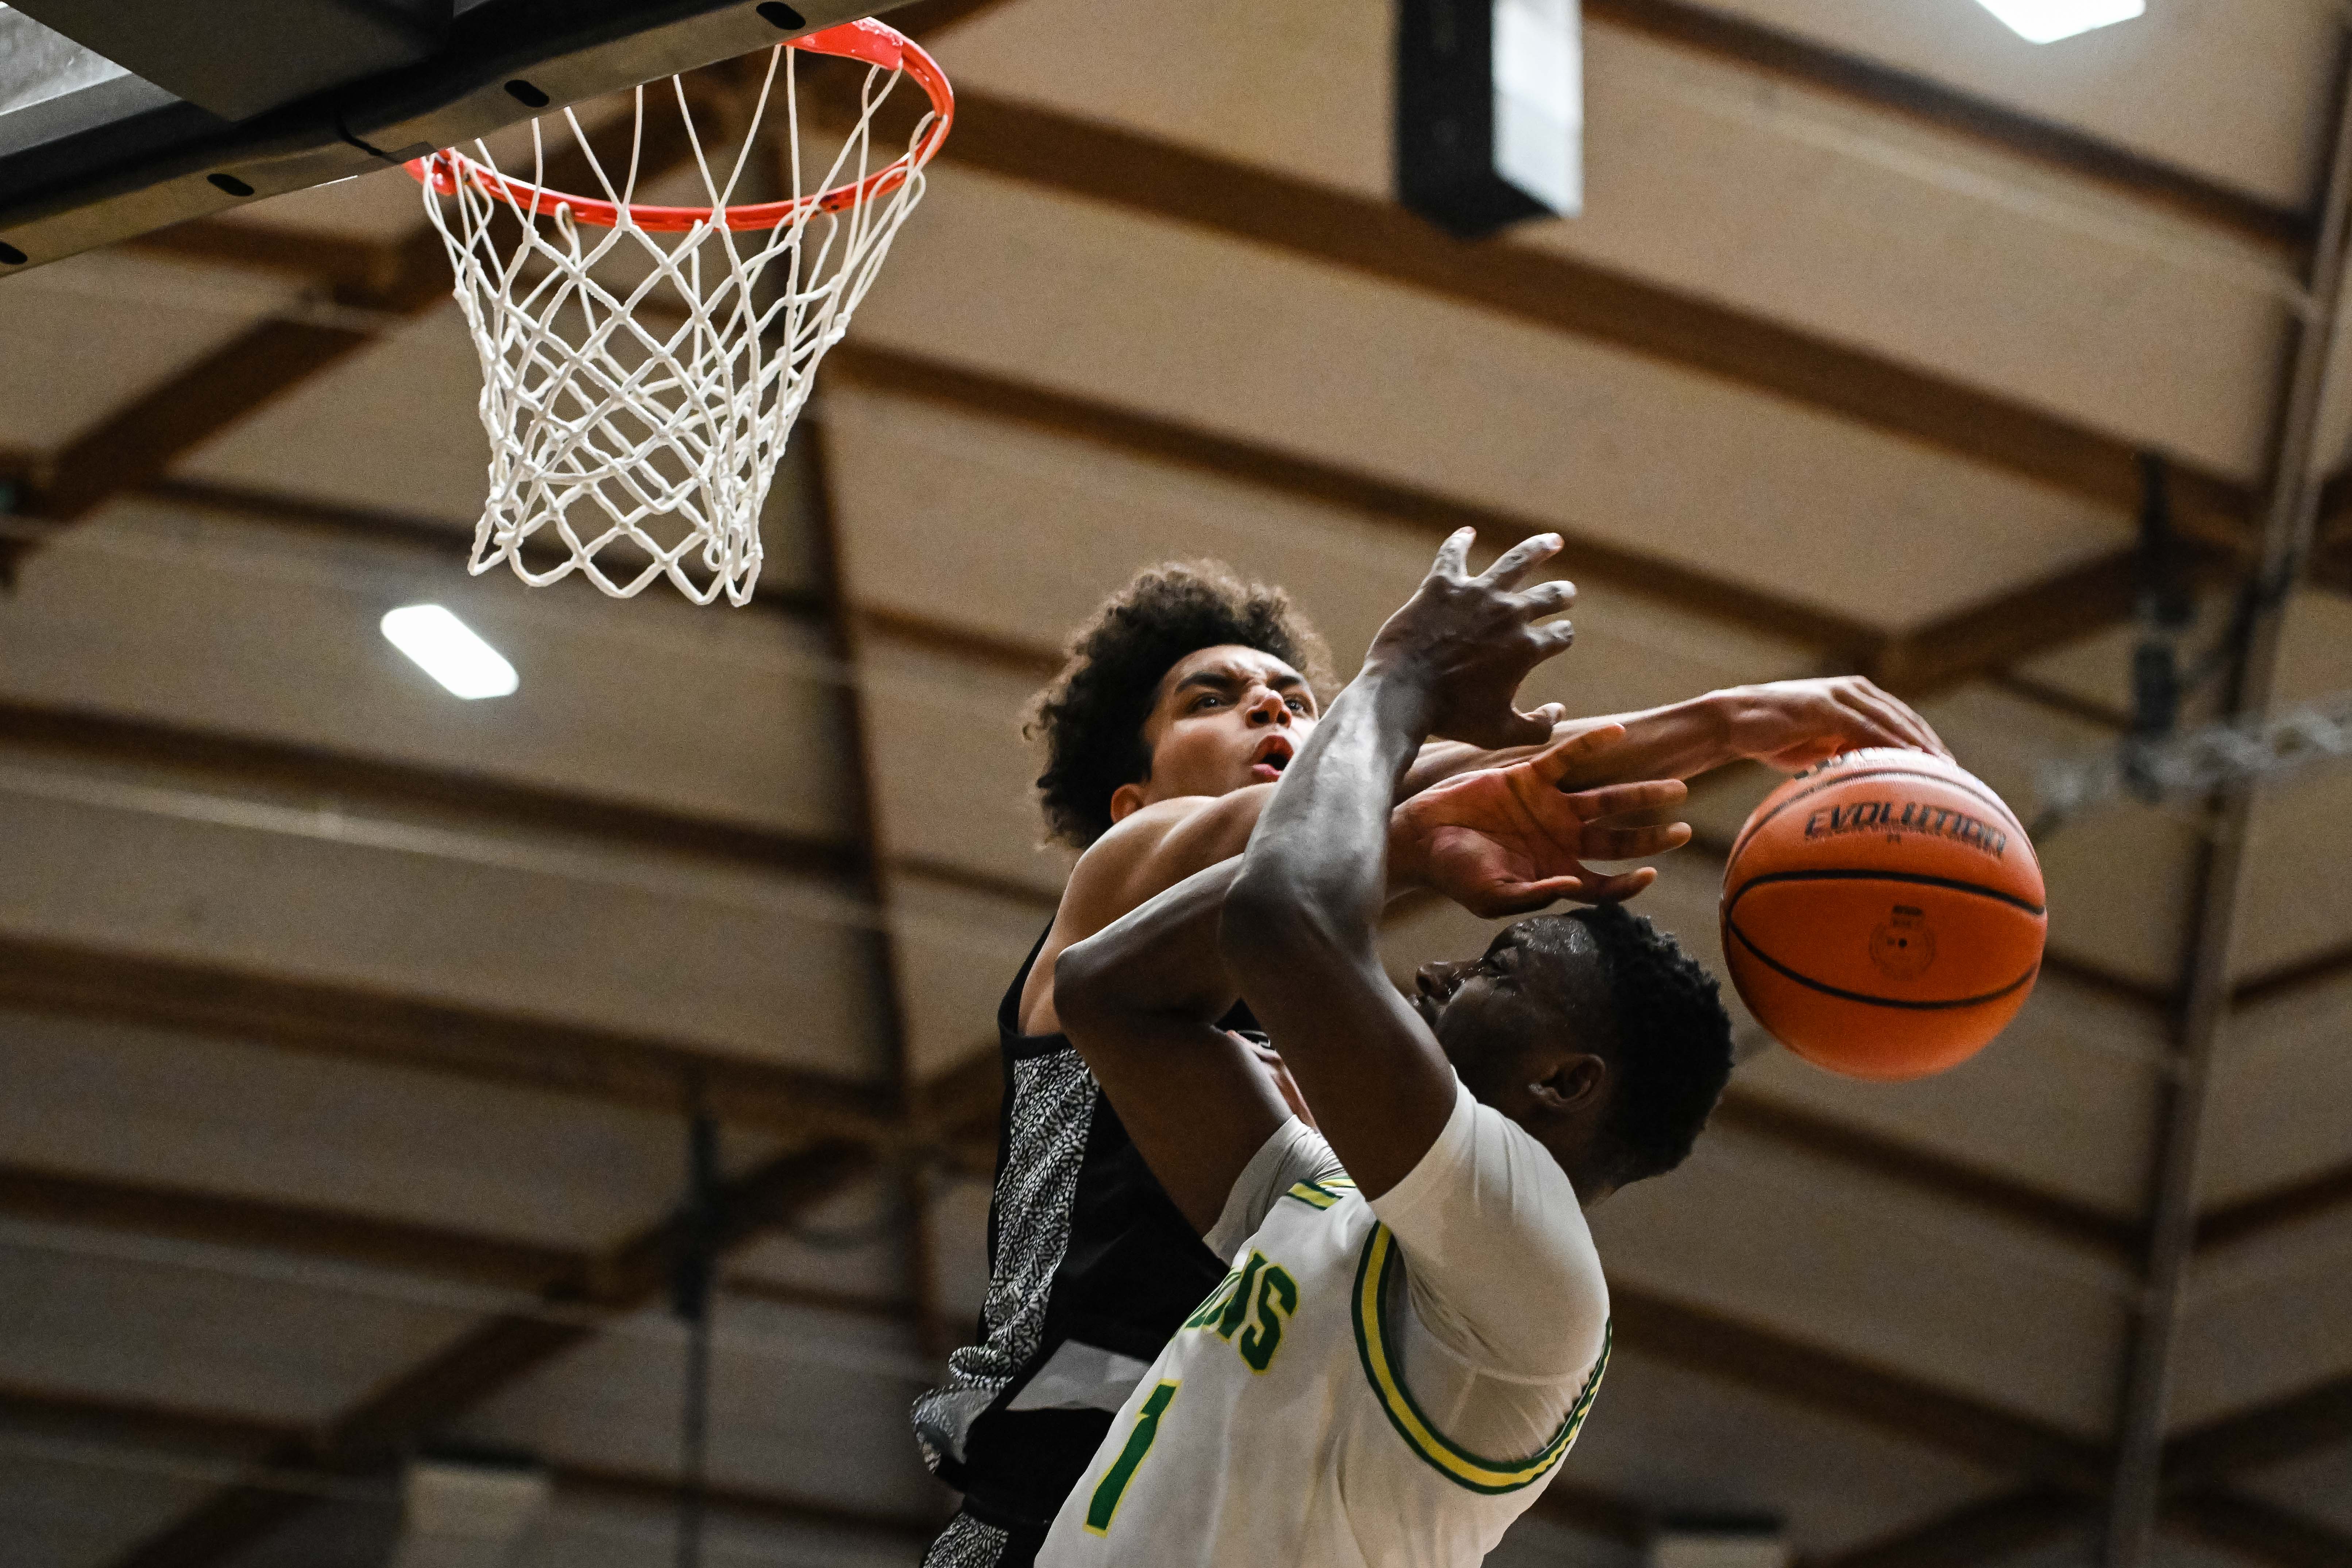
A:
{"x":1976,"y":641}
{"x":1053,"y":150}
{"x":368,"y":1437}
{"x":1972,"y":1533}
{"x":142,"y":1425}
{"x":134,"y":445}
{"x":1649,"y":1325}
{"x":843,"y":636}
{"x":324,"y":1019}
{"x":320,"y":770}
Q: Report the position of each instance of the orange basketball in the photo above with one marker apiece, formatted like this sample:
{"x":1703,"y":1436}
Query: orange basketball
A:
{"x":1883,"y":914}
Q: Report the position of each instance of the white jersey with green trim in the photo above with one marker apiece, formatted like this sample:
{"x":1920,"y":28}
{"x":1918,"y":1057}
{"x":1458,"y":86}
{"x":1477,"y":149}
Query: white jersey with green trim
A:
{"x":1382,"y":1384}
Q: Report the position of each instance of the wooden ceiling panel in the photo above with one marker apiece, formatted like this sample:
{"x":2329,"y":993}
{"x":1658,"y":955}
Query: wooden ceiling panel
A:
{"x":960,"y":1232}
{"x":1857,"y":226}
{"x":851,"y":1245}
{"x":2118,"y":878}
{"x":64,"y":1506}
{"x":810,"y":1401}
{"x":150,"y":1108}
{"x":2281,"y":1078}
{"x":2318,"y":1486}
{"x":1000,"y":528}
{"x":952,"y":774}
{"x":2064,"y":1099}
{"x":1686,"y":1444}
{"x":198,"y":619}
{"x":391,"y":428}
{"x":2156,"y":84}
{"x":1797,"y":1244}
{"x":746,"y":963}
{"x":583,"y":1529}
{"x":1229,"y":337}
{"x":2300,"y":859}
{"x":201,"y":1327}
{"x":2271,"y":1328}
{"x":85,"y":336}
{"x":958,"y":948}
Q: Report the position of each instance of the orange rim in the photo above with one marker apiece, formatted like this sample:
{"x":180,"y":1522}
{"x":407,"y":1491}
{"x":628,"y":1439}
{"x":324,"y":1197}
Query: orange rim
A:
{"x":874,"y":42}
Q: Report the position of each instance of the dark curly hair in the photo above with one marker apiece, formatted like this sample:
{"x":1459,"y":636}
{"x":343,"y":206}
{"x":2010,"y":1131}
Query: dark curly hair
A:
{"x":1091,"y":718}
{"x":1672,"y":1046}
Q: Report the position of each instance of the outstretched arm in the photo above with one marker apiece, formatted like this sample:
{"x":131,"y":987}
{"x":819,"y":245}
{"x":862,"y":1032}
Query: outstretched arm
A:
{"x":1784,"y":725}
{"x":1301,"y":918}
{"x":1139,"y":997}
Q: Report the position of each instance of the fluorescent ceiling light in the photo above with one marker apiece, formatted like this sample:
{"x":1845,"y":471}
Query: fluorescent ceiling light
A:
{"x":2046,"y":21}
{"x":445,"y":648}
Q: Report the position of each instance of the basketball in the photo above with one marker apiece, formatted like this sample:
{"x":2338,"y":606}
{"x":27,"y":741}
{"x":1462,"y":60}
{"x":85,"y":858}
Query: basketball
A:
{"x":1883,"y":914}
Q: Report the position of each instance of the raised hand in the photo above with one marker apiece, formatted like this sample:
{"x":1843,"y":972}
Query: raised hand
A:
{"x":1792,"y":724}
{"x":1505,"y":841}
{"x":1467,"y":642}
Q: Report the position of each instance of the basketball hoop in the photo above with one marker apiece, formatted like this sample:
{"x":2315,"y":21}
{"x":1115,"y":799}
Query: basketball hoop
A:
{"x":638,"y":391}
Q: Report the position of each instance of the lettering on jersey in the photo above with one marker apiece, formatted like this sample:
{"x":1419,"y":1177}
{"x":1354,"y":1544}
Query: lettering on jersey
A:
{"x":1203,"y":1314}
{"x":1104,"y":1505}
{"x":1253,"y":1302}
{"x":1278,"y":1297}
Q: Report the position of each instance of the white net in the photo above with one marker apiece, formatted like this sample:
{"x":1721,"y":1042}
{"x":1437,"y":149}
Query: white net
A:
{"x":639,"y":380}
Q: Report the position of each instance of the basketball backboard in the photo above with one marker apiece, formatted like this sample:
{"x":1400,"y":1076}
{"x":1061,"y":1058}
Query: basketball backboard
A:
{"x":118,"y":117}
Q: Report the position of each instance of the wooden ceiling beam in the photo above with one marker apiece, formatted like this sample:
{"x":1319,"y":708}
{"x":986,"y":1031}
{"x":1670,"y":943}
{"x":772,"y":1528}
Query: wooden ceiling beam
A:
{"x":414,"y":1406}
{"x":655,"y":1075}
{"x":181,"y":1213}
{"x":1786,"y":57}
{"x":2023,"y":622}
{"x":1426,"y":515}
{"x":274,"y":765}
{"x":445,"y":540}
{"x":1710,"y":1342}
{"x":2258,"y":1530}
{"x":1978,"y":641}
{"x":139,"y":1424}
{"x":1972,"y":1533}
{"x":2268,"y":1433}
{"x":2288,"y":1203}
{"x":1374,"y":237}
{"x":1938,"y":1176}
{"x":134,"y":446}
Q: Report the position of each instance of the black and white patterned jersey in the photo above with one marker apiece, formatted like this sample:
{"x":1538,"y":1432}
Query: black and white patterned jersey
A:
{"x":1091,"y":1268}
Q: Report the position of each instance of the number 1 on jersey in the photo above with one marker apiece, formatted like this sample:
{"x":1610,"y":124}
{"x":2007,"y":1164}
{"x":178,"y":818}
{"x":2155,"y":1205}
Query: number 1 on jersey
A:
{"x":1122,"y":1470}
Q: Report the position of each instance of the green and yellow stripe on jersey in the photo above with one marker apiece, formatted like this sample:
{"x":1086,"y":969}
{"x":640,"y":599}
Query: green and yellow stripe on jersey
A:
{"x":1376,"y":1346}
{"x":1321,"y":1194}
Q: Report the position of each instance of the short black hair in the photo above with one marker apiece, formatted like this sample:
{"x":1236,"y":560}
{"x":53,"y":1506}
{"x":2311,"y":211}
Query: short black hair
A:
{"x":1672,"y":1050}
{"x":1091,"y":718}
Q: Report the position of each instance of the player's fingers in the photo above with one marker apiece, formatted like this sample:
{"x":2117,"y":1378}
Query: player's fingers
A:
{"x":1895,"y":723}
{"x":1618,"y":799}
{"x":1519,"y":559}
{"x":1525,"y":898}
{"x":1453,"y":555}
{"x":1551,"y":764}
{"x":1548,"y":598}
{"x":1632,"y":843}
{"x":1553,"y":638}
{"x":1618,"y":889}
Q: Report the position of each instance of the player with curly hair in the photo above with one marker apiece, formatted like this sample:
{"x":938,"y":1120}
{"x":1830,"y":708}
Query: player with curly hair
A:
{"x":1183,"y":701}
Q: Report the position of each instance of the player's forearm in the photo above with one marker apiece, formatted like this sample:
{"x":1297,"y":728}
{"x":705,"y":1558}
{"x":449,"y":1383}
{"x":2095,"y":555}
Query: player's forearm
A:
{"x":1319,"y":861}
{"x":1679,"y":741}
{"x":1159,"y":960}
